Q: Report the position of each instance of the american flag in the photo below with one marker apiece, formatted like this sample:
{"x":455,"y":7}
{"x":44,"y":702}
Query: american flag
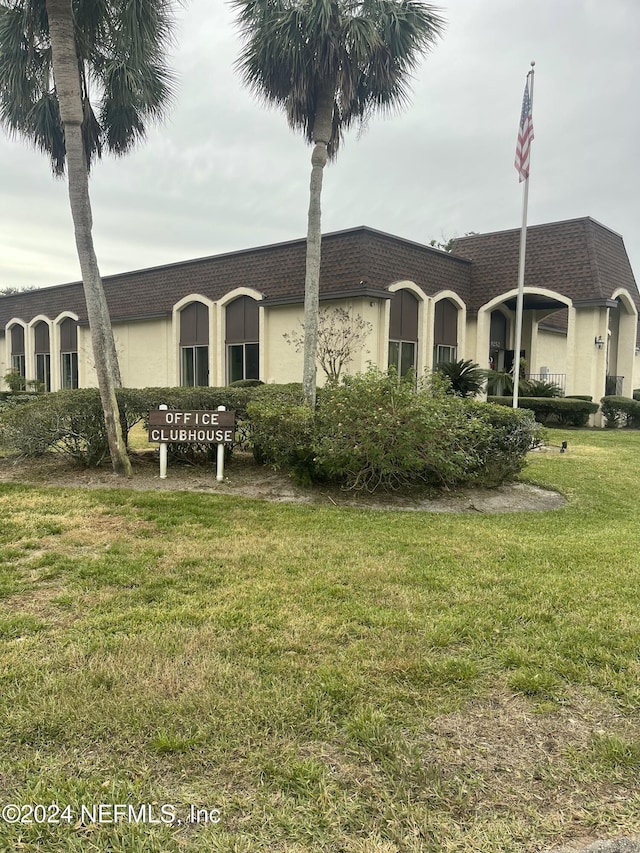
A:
{"x":525,"y":135}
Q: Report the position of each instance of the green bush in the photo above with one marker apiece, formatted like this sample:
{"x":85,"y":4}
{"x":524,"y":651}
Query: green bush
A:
{"x":9,"y":400}
{"x":541,"y":388}
{"x":465,"y":378}
{"x":620,"y":412}
{"x":282,"y":436}
{"x":15,"y":381}
{"x":69,"y":422}
{"x":375,"y":432}
{"x":564,"y":411}
{"x":513,"y":433}
{"x":246,"y":383}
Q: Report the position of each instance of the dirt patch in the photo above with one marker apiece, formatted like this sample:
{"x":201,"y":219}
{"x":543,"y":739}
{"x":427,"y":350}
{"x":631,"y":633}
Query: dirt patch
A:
{"x":524,"y":760}
{"x":243,"y":477}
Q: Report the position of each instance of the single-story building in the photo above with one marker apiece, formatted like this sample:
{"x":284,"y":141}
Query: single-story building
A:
{"x":213,"y":320}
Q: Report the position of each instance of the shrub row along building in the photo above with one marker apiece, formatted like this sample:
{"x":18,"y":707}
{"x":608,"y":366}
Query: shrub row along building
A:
{"x":214,"y":320}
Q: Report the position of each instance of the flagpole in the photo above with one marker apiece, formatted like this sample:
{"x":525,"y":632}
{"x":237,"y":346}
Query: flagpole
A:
{"x":523,"y":250}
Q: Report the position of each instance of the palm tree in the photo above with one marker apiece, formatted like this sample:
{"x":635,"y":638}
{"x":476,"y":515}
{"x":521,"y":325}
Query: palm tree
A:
{"x":466,"y":378}
{"x":55,"y":56}
{"x":330,"y":64}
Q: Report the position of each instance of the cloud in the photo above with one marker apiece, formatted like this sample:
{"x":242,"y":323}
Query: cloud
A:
{"x":224,"y":173}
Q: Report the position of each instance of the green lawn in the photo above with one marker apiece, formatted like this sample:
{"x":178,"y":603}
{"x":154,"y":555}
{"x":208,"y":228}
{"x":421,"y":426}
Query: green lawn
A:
{"x":328,"y":679}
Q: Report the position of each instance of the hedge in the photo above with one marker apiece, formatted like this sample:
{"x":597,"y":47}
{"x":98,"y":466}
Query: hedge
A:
{"x":11,"y":399}
{"x":369,"y":432}
{"x":564,"y":411}
{"x":71,"y":422}
{"x":373,"y":432}
{"x":620,"y":412}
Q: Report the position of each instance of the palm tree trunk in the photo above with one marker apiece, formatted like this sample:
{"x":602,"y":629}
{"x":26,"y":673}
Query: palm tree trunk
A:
{"x":321,"y":135}
{"x":67,"y":82}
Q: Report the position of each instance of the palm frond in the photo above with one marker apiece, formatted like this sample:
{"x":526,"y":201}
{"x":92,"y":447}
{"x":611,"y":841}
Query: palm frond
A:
{"x":121,"y":47}
{"x":365,"y":51}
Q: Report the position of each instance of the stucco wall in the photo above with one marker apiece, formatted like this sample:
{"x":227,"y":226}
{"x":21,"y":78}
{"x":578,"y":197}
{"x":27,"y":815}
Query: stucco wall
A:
{"x":143,"y":353}
{"x":551,"y":352}
{"x":281,"y":361}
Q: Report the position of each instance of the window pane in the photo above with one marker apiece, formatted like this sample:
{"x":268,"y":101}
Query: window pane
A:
{"x":43,"y":370}
{"x":394,"y":355}
{"x":202,"y":366}
{"x":407,"y":357}
{"x":236,"y":362}
{"x":17,"y":340}
{"x":65,"y":370}
{"x":69,"y":370}
{"x":17,"y":364}
{"x":443,"y":354}
{"x":187,"y":368}
{"x":251,"y":361}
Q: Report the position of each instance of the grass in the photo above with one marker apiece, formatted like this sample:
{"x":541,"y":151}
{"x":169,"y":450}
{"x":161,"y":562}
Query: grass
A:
{"x":324,"y":679}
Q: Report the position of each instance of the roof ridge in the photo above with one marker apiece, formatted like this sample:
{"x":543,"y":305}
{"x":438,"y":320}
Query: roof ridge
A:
{"x":571,"y":221}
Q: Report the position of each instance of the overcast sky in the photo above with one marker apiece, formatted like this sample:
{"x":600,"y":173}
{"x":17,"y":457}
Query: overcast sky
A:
{"x":223,"y":173}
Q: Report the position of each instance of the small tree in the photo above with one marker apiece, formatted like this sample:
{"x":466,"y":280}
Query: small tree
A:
{"x":15,"y":381}
{"x":340,"y":334}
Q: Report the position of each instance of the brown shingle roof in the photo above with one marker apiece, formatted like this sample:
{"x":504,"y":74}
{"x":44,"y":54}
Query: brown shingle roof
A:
{"x":579,"y":258}
{"x":359,"y":260}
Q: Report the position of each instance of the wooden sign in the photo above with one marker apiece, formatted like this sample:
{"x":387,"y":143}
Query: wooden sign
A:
{"x":195,"y":427}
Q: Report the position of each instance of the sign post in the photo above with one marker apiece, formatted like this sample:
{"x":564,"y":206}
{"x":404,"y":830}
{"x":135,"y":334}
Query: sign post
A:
{"x":195,"y":427}
{"x":220,"y":457}
{"x":163,"y":450}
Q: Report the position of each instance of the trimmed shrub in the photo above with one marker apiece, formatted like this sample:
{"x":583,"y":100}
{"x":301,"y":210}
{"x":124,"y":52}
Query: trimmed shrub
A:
{"x":636,"y":394}
{"x":282,"y":436}
{"x":375,"y":432}
{"x":69,"y":422}
{"x":620,"y":412}
{"x":564,"y":411}
{"x":246,"y":383}
{"x":9,"y":400}
{"x":513,"y":433}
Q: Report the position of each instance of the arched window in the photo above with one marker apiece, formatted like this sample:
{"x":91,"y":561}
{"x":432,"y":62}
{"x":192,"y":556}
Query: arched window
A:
{"x":243,"y":339}
{"x":17,"y":350}
{"x":445,"y":332}
{"x":42,"y":352}
{"x":194,"y":345}
{"x":69,"y":353}
{"x":403,"y":331}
